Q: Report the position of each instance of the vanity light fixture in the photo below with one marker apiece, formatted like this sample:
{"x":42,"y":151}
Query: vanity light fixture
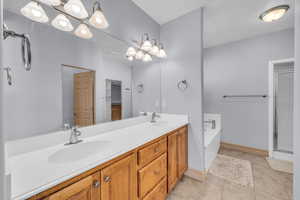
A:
{"x":146,"y":50}
{"x":146,"y":43}
{"x":34,"y":11}
{"x":61,"y":22}
{"x":130,"y":58}
{"x":147,"y":58}
{"x":76,"y":9}
{"x":131,"y":51}
{"x":51,"y":2}
{"x":274,"y":13}
{"x":162,"y":53}
{"x":155,"y":48}
{"x":98,"y":20}
{"x":139,"y":55}
{"x":83,"y":31}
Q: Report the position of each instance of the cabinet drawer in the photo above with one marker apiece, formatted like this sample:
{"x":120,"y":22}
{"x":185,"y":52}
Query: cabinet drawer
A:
{"x":152,"y":174}
{"x":159,"y":192}
{"x":149,"y":153}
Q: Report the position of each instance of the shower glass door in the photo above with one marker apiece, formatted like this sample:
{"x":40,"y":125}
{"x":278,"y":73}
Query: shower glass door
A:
{"x":283,"y":130}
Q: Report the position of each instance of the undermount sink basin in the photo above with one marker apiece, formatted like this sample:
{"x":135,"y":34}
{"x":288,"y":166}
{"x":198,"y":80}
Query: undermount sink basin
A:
{"x":78,"y":152}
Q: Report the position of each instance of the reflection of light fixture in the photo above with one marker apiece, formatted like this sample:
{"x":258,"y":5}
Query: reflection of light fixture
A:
{"x":51,"y":2}
{"x":83,"y":31}
{"x":62,"y":23}
{"x":139,"y":55}
{"x":147,"y":58}
{"x":155,"y":48}
{"x":131,"y":51}
{"x":162,"y":53}
{"x":274,"y":13}
{"x":146,"y":43}
{"x":35,"y":12}
{"x":98,"y":20}
{"x":130,"y":58}
{"x":76,"y":9}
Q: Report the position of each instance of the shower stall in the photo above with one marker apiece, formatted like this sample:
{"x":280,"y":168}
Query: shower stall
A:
{"x":281,"y":109}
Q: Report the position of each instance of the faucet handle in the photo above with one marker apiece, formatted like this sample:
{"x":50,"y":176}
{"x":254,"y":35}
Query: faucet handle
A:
{"x":76,"y":131}
{"x":67,"y":126}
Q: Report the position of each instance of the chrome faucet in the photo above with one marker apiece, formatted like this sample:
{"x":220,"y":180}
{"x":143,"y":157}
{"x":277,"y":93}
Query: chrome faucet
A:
{"x":212,"y":122}
{"x":154,"y":116}
{"x":75,"y":133}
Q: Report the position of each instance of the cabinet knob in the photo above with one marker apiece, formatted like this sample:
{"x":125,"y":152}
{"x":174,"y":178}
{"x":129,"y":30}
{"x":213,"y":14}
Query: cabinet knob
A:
{"x":107,"y":179}
{"x":96,"y":184}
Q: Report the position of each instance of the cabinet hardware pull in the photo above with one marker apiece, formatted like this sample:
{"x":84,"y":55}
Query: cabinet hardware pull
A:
{"x":107,"y":179}
{"x":96,"y":184}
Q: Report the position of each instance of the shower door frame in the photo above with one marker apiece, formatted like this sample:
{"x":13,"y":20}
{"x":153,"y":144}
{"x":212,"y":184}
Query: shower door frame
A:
{"x":272,"y":152}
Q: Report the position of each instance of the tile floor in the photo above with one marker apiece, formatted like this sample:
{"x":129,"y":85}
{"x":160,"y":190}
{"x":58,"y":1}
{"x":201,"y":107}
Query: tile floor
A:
{"x":268,"y":184}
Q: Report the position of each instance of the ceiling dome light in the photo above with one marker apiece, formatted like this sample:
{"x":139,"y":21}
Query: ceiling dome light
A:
{"x":83,"y":31}
{"x":131,"y":51}
{"x":76,"y":9}
{"x":98,"y":20}
{"x":139,"y":55}
{"x":146,"y":44}
{"x":147,"y":58}
{"x":51,"y":2}
{"x":35,"y":12}
{"x":274,"y":13}
{"x":62,"y":23}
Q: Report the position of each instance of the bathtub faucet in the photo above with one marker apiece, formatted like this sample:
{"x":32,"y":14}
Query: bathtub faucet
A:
{"x":212,"y":122}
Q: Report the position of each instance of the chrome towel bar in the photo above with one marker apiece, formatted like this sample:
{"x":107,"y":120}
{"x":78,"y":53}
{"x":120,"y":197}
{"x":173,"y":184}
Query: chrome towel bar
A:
{"x":245,"y":96}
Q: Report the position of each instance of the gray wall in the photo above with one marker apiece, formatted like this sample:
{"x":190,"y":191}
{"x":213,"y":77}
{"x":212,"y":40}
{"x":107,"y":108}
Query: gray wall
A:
{"x":242,"y":68}
{"x":2,"y":160}
{"x":297,"y":106}
{"x":183,"y":40}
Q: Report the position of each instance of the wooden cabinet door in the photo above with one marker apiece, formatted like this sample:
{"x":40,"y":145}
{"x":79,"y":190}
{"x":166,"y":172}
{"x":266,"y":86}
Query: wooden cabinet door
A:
{"x":85,"y":189}
{"x":119,"y":180}
{"x":182,"y":151}
{"x":172,"y":161}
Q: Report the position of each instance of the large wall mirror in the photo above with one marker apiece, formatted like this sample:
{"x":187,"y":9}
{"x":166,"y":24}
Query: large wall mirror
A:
{"x":73,"y":81}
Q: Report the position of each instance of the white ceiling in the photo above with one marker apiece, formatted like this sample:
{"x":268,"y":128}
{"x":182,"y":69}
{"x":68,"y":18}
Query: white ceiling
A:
{"x":224,"y":20}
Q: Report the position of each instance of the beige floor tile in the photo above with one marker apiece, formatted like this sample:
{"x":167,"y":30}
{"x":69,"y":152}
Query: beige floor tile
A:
{"x":268,"y":184}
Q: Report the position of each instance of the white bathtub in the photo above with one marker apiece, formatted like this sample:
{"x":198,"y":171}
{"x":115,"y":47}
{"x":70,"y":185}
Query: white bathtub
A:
{"x":212,"y":138}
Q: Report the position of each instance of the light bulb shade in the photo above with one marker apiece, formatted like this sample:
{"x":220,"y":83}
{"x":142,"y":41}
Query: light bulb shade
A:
{"x":154,"y":50}
{"x":51,"y":2}
{"x":147,"y":58}
{"x":130,"y":58}
{"x":83,"y":31}
{"x":35,"y":12}
{"x":139,"y":55}
{"x":146,"y":45}
{"x":131,"y":51}
{"x":62,"y":23}
{"x":98,"y":20}
{"x":274,"y":13}
{"x":76,"y":9}
{"x":162,"y":53}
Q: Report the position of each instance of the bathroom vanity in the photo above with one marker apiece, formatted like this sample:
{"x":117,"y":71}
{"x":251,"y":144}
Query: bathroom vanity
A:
{"x":141,"y":161}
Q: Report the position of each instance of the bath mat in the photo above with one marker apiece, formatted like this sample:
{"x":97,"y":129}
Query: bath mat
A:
{"x":233,"y":170}
{"x":281,"y":165}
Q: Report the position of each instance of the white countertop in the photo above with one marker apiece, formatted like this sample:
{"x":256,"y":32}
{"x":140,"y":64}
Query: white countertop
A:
{"x":35,"y":171}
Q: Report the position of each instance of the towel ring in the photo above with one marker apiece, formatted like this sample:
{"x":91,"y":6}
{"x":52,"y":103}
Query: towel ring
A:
{"x":182,"y":85}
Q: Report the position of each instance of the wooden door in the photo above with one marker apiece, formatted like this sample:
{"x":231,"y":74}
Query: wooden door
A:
{"x":182,"y":151}
{"x":116,"y":112}
{"x":172,"y":161}
{"x":119,"y":180}
{"x":84,"y":99}
{"x":86,"y":189}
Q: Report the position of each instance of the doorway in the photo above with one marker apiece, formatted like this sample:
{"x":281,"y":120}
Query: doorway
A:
{"x":78,"y":96}
{"x":281,"y":87}
{"x":113,"y":100}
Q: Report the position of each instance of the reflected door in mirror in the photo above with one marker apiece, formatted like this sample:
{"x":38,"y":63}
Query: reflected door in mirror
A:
{"x":84,"y":99}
